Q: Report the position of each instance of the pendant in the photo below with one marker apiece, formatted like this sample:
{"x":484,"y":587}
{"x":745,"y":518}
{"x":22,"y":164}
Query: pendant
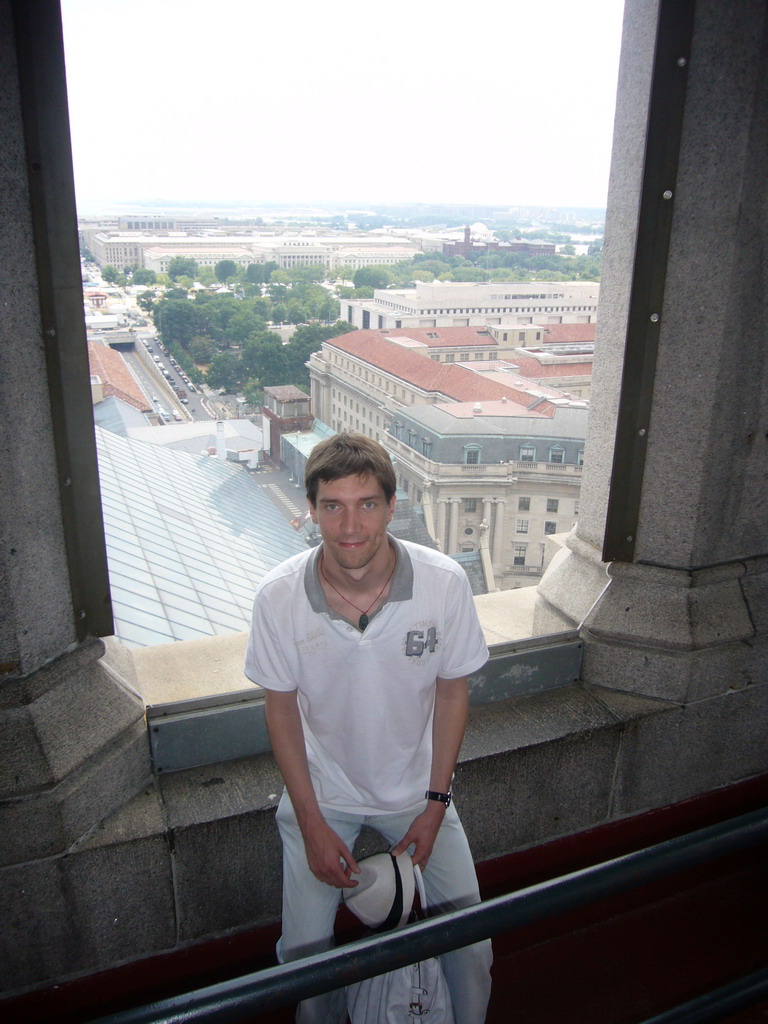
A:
{"x":362,"y":622}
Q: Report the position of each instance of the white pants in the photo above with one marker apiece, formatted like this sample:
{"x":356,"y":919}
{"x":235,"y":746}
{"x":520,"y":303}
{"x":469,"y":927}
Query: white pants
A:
{"x":309,"y":907}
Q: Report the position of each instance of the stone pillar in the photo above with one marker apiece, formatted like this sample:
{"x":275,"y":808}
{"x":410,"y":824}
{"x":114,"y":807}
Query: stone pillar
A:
{"x":488,"y":511}
{"x":453,"y":527}
{"x":498,"y":534}
{"x":73,"y":738}
{"x":488,"y":533}
{"x":688,"y":618}
{"x":441,"y":504}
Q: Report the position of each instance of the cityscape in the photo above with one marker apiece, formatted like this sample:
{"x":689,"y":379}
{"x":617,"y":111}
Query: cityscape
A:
{"x":230,"y":233}
{"x":465,"y":349}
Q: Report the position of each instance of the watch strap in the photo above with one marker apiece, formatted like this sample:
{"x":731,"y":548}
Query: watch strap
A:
{"x":442,"y":798}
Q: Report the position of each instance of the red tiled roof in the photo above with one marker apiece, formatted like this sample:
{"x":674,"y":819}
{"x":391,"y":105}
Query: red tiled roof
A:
{"x":567,"y":334}
{"x":531,"y":368}
{"x":112,"y":369}
{"x":444,"y":337}
{"x":445,"y":379}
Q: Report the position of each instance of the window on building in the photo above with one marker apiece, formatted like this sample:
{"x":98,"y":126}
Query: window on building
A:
{"x":524,"y":504}
{"x":411,"y":437}
{"x":549,"y":528}
{"x":580,"y":457}
{"x":521,"y":526}
{"x":470,"y":504}
{"x":426,"y":447}
{"x":449,"y":357}
{"x":556,"y":454}
{"x":519,"y":554}
{"x":472,"y":456}
{"x":552,"y":504}
{"x":527,"y":454}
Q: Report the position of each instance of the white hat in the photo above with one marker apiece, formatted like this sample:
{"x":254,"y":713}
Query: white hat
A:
{"x":383,"y":896}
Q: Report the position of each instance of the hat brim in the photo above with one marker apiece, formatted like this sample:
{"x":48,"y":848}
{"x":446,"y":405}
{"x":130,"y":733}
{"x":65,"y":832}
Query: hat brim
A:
{"x":383,"y":897}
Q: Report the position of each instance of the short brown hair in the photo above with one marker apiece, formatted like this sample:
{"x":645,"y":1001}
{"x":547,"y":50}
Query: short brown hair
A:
{"x":349,"y":455}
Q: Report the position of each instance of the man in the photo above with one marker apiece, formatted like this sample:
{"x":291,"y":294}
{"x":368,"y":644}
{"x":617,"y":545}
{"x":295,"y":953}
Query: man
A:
{"x":363,"y":646}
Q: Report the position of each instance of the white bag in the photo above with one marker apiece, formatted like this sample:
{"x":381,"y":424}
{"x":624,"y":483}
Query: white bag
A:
{"x":408,"y":994}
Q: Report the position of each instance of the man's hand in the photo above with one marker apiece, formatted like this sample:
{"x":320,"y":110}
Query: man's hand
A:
{"x":422,"y":833}
{"x":325,"y":854}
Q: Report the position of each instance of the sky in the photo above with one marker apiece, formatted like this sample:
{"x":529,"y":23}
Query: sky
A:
{"x":342,"y":101}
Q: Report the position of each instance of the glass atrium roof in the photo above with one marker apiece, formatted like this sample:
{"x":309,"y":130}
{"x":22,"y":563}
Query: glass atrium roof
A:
{"x":188,"y":539}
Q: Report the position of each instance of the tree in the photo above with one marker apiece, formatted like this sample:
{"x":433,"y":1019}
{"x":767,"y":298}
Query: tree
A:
{"x":244,"y":322}
{"x":206,"y":275}
{"x":142,"y":276}
{"x":146,"y":301}
{"x":469,"y":274}
{"x":226,"y":371}
{"x":253,"y":394}
{"x":372,"y":277}
{"x":225,"y":269}
{"x":110,"y":274}
{"x":274,"y":361}
{"x":202,"y":350}
{"x":177,"y":320}
{"x":254,"y":273}
{"x":182,"y":266}
{"x":215,"y":312}
{"x":253,"y":353}
{"x":297,"y":314}
{"x":278,"y":292}
{"x":345,"y":272}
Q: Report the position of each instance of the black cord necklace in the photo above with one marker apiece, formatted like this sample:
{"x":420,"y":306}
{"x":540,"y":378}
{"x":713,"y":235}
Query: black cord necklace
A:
{"x":362,"y":622}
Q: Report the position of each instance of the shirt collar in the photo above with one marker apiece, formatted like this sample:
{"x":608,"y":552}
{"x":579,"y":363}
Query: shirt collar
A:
{"x":400,"y":589}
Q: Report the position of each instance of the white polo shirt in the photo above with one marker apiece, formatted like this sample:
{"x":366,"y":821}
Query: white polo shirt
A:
{"x":366,"y":699}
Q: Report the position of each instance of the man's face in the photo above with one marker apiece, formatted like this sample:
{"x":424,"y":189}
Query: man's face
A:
{"x":352,"y":513}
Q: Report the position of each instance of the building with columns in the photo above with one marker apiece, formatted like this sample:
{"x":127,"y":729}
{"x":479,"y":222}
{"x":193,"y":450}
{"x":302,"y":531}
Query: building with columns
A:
{"x":360,"y":380}
{"x":458,"y":304}
{"x":111,"y":876}
{"x":493,"y":475}
{"x":494,"y":456}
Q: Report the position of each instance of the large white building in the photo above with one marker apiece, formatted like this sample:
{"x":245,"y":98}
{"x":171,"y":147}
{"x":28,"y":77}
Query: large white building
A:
{"x":461,"y":304}
{"x":493,"y":476}
{"x":158,"y":257}
{"x":493,"y":457}
{"x":121,"y":249}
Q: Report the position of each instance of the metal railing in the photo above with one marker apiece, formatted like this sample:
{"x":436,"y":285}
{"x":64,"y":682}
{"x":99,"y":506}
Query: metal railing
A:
{"x":251,"y":994}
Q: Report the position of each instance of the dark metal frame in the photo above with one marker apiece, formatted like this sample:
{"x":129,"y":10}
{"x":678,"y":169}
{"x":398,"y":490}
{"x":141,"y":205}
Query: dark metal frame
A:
{"x":40,"y":54}
{"x":646,"y":307}
{"x":243,"y":998}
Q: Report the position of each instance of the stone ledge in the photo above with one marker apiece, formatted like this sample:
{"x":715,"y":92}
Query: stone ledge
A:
{"x":196,"y":854}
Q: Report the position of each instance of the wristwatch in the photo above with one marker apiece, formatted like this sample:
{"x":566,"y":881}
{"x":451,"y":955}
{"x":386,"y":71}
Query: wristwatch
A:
{"x":442,"y":798}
